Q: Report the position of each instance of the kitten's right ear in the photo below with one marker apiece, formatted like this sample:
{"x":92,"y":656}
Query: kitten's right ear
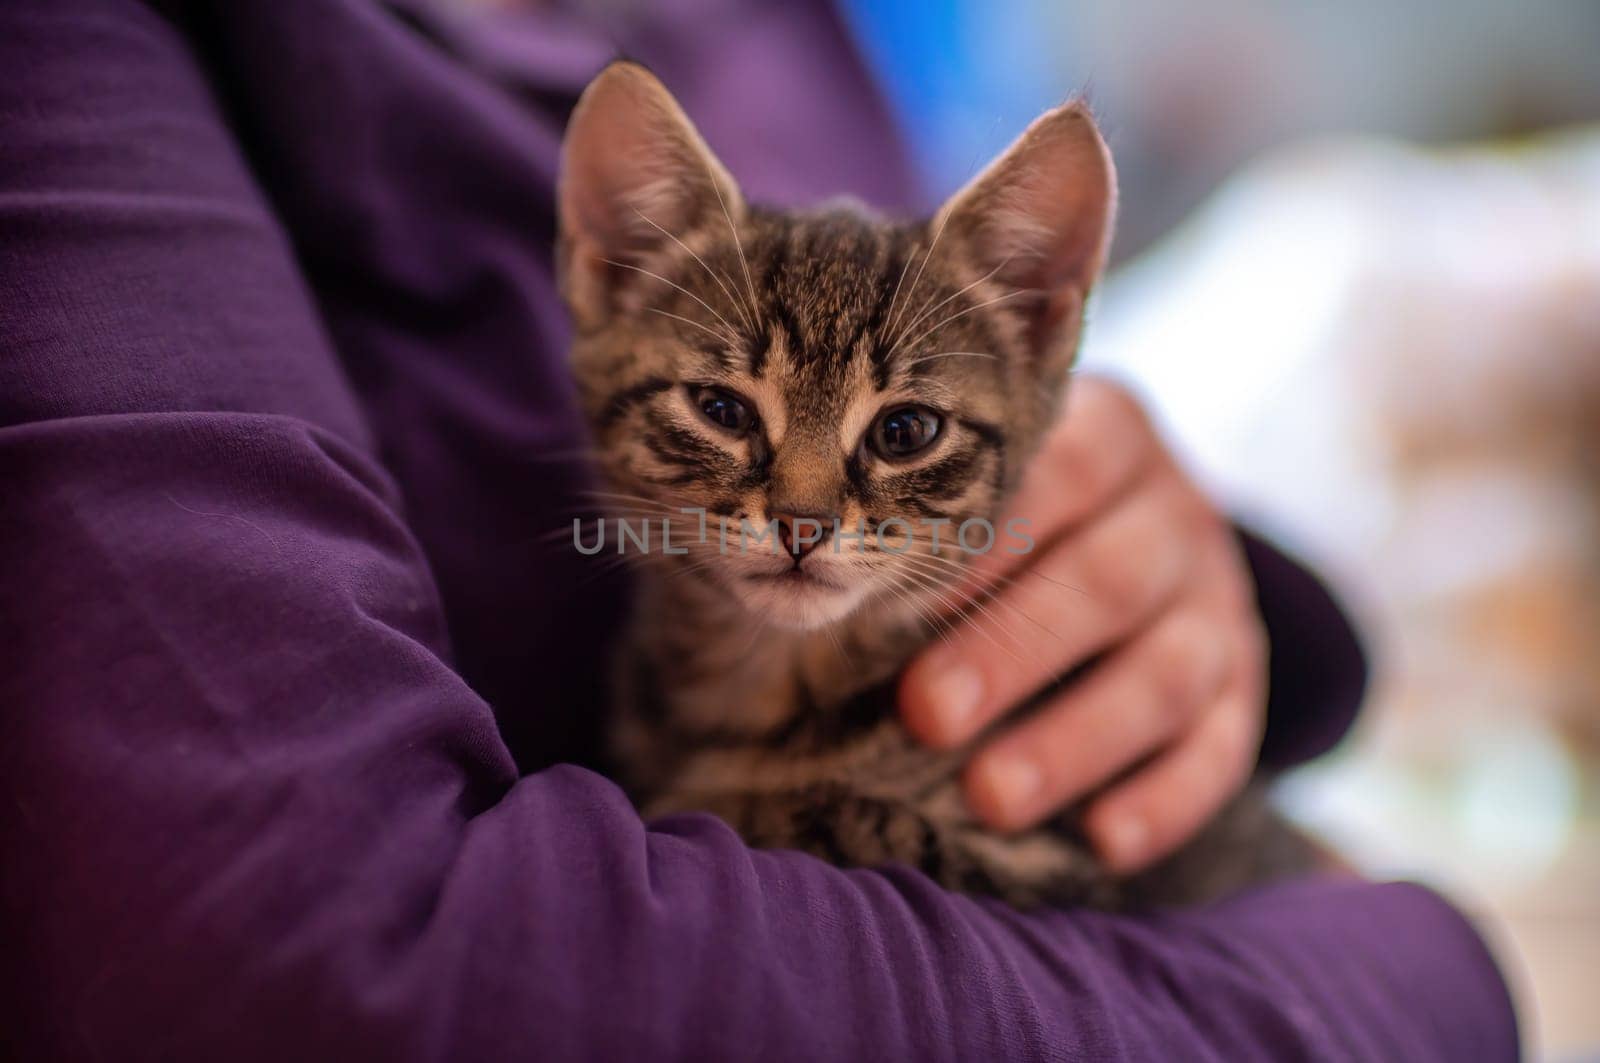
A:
{"x":1038,"y":220}
{"x":633,"y":169}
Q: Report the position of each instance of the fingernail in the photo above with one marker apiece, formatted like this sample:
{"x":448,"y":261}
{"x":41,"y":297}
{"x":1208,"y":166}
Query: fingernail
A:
{"x":1012,"y":784}
{"x":1125,"y":840}
{"x":955,"y":697}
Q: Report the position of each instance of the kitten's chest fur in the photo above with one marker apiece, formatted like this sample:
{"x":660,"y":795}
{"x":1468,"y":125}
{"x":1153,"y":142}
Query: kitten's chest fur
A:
{"x":792,"y":738}
{"x":714,"y":701}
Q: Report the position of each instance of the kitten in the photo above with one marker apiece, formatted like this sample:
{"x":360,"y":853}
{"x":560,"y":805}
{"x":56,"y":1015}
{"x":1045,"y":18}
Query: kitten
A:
{"x":838,"y":374}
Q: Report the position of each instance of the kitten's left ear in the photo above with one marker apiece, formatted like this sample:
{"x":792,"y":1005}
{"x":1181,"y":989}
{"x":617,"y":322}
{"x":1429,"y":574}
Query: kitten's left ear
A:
{"x":633,"y":169}
{"x":1039,"y":217}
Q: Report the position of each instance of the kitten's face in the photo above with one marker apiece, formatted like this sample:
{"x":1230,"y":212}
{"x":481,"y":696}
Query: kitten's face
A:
{"x":867,"y":386}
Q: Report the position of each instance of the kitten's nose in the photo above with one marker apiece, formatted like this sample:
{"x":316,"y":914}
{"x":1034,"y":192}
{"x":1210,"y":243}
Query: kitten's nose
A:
{"x":801,"y":533}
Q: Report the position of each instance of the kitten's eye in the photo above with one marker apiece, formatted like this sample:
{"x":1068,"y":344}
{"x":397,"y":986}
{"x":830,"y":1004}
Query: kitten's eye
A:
{"x":724,"y":409}
{"x":901,"y":433}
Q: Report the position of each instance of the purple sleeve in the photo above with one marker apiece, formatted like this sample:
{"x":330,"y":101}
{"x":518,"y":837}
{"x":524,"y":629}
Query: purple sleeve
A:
{"x":1318,"y":669}
{"x":254,"y":805}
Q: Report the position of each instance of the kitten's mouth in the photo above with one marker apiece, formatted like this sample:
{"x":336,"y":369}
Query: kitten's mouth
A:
{"x":796,"y":578}
{"x":799,"y":597}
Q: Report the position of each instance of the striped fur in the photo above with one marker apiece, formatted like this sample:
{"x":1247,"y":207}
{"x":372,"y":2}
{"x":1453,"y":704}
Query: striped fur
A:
{"x":751,"y":692}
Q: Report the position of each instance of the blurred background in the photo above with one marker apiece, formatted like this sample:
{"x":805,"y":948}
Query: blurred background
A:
{"x":1358,"y":276}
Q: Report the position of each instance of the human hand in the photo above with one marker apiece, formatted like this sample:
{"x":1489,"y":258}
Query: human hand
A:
{"x":1131,"y":564}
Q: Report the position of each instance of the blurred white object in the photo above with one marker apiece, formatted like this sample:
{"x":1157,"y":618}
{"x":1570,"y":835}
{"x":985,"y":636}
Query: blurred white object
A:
{"x":1327,"y":285}
{"x":1389,"y":359}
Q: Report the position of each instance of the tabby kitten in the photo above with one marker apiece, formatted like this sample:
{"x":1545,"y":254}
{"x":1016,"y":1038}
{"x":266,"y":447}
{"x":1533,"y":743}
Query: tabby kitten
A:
{"x":823,"y":366}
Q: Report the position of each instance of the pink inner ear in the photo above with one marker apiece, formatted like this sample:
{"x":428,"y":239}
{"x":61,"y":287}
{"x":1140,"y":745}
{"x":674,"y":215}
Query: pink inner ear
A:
{"x":1041,"y":214}
{"x":1053,"y":226}
{"x":631,"y":154}
{"x":611,"y":163}
{"x":633,"y":170}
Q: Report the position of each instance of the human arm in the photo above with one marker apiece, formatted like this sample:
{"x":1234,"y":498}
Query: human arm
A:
{"x":251,"y":811}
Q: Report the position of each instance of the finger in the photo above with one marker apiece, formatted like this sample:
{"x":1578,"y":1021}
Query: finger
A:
{"x":1143,"y":819}
{"x":1099,"y":447}
{"x":1131,"y":705}
{"x":1083,"y":595}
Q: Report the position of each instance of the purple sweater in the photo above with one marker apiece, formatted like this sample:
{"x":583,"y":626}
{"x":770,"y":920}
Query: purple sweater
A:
{"x":286,"y":658}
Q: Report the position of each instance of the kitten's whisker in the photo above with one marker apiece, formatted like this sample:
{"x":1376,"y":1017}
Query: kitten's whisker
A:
{"x":612,"y":562}
{"x":950,"y":354}
{"x":703,"y":328}
{"x":713,"y":273}
{"x":1022,"y":578}
{"x":930,"y":311}
{"x":602,"y":500}
{"x":642,"y":562}
{"x":1001,"y":578}
{"x":598,"y":492}
{"x":894,"y":299}
{"x":936,"y":588}
{"x":974,"y":309}
{"x":619,"y":514}
{"x":602,"y":508}
{"x":993,"y":582}
{"x":733,"y":334}
{"x":681,"y":571}
{"x":759,"y":630}
{"x":755,"y":303}
{"x":926,"y":615}
{"x":634,"y":518}
{"x":972,"y":170}
{"x":950,"y":616}
{"x":997,"y":600}
{"x":982,"y":603}
{"x":834,"y":636}
{"x":952,"y":609}
{"x":900,"y":585}
{"x":925,"y":259}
